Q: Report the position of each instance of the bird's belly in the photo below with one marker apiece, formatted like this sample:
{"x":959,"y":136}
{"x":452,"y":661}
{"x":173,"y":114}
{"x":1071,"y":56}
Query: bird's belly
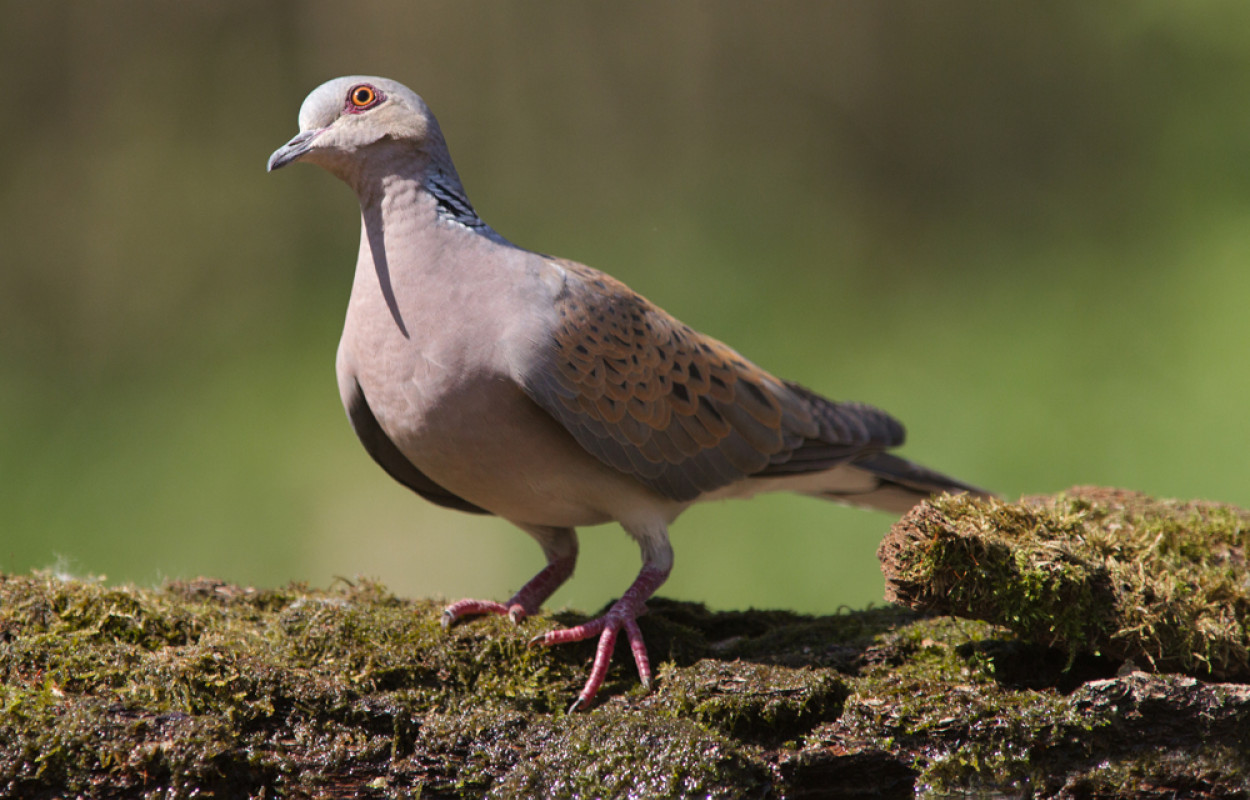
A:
{"x":481,"y":438}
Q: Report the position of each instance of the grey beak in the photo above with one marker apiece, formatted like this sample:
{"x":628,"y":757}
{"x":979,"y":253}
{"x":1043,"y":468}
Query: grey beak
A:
{"x":292,"y":150}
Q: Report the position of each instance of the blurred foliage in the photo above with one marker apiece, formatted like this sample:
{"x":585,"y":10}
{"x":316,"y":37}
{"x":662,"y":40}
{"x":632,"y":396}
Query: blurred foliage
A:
{"x":1022,"y":228}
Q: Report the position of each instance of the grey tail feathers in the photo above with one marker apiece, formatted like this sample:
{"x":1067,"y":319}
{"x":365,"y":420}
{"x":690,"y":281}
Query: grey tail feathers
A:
{"x":902,"y":484}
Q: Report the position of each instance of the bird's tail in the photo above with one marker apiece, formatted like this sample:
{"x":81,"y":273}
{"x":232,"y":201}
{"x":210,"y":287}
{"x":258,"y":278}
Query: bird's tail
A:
{"x":900,"y":484}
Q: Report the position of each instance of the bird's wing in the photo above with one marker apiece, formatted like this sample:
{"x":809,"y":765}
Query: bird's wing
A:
{"x":680,"y":411}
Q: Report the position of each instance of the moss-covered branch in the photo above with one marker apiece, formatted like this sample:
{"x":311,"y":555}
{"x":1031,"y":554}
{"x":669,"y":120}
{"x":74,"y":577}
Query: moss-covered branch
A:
{"x":208,"y":689}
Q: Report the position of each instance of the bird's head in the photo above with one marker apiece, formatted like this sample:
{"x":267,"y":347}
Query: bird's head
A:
{"x":344,"y":119}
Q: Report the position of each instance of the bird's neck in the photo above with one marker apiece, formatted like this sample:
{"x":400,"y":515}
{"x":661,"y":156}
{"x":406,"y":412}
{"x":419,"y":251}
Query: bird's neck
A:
{"x":408,"y":175}
{"x":451,"y":203}
{"x":412,"y":219}
{"x":413,"y":211}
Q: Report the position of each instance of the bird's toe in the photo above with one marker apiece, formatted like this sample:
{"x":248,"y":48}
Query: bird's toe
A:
{"x":620,"y":617}
{"x":471,"y":608}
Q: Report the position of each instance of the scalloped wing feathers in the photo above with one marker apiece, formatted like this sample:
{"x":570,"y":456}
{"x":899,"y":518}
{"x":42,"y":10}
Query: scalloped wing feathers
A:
{"x":683,"y":413}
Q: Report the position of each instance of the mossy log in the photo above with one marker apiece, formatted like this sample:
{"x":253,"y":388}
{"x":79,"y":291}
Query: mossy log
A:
{"x":1161,"y":583}
{"x":205,"y":689}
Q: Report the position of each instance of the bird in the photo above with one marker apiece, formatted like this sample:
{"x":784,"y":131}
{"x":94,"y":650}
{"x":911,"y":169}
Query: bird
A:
{"x":492,"y":379}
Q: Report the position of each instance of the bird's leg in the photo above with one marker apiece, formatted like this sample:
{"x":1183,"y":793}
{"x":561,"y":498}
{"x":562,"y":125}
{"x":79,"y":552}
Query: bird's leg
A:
{"x":560,"y":547}
{"x":657,"y":562}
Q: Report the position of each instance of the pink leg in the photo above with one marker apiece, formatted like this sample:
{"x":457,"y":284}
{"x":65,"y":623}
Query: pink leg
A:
{"x":622,"y":614}
{"x":560,"y":547}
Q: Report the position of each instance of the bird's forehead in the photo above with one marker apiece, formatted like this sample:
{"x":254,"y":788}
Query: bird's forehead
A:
{"x":324,"y":104}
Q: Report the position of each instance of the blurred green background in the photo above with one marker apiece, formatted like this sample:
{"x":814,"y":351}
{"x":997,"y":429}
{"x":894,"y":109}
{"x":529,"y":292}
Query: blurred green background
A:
{"x":1023,"y":228}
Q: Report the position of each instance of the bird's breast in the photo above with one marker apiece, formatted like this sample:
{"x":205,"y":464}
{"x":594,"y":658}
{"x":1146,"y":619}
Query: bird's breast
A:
{"x":445,"y":396}
{"x":479,"y":436}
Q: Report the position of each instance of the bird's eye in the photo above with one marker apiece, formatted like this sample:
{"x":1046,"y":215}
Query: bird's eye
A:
{"x":363,"y":96}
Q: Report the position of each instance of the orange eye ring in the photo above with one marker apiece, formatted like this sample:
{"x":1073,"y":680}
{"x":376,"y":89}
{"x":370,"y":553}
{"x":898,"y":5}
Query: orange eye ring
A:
{"x":362,"y":96}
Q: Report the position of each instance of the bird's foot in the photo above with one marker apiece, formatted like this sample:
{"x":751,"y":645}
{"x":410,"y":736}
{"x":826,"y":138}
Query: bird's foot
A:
{"x":524,"y":603}
{"x":623,"y":614}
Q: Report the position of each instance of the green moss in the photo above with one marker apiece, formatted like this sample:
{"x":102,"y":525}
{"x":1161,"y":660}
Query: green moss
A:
{"x":758,"y":703}
{"x":1093,"y":571}
{"x":944,"y":703}
{"x":623,"y":754}
{"x":211,"y":686}
{"x":207,"y":689}
{"x":1199,"y":771}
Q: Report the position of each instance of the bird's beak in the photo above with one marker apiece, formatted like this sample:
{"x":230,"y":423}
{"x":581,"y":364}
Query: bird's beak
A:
{"x":292,"y":150}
